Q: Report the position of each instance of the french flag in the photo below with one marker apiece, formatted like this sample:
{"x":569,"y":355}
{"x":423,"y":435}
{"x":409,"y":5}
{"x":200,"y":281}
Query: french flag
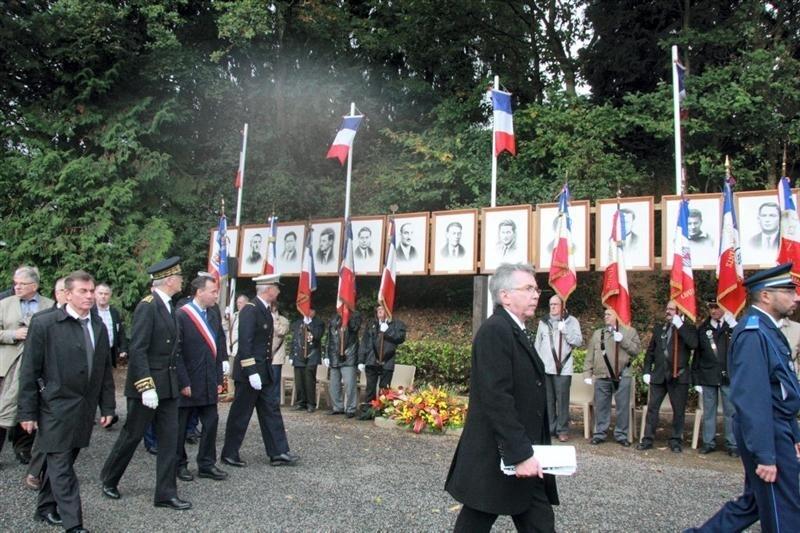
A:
{"x":308,"y":279}
{"x":346,"y":297}
{"x":731,"y":294}
{"x":681,"y":280}
{"x":615,"y":293}
{"x":343,"y":141}
{"x":503,"y":123}
{"x":218,"y":264}
{"x":790,"y":227}
{"x":270,"y":266}
{"x":562,"y":277}
{"x":389,"y":277}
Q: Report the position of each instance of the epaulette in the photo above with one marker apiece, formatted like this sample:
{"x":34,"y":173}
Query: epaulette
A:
{"x":752,"y":322}
{"x":148,"y":298}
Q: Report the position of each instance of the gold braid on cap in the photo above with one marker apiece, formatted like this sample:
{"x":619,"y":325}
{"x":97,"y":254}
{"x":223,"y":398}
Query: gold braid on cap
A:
{"x":168,"y":272}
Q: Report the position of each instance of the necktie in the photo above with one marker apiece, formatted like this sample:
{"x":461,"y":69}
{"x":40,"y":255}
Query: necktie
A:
{"x":87,"y":340}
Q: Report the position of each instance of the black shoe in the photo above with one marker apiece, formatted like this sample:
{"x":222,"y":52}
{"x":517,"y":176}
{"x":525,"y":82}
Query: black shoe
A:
{"x":284,"y":459}
{"x":596,"y":441}
{"x":624,"y":443}
{"x":111,"y":492}
{"x":152,"y":451}
{"x":184,"y":474}
{"x":644,"y":446}
{"x":311,"y":409}
{"x":336,"y":413}
{"x":23,"y":457}
{"x":350,"y":415}
{"x":52,"y":518}
{"x":675,"y":447}
{"x":192,"y":439}
{"x":77,"y":529}
{"x":706,"y":449}
{"x":175,"y":503}
{"x":733,"y":452}
{"x":212,"y":473}
{"x":299,"y":407}
{"x":233,"y":462}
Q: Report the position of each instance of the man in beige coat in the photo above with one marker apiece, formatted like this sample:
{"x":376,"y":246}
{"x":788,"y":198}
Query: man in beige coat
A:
{"x":15,"y":315}
{"x":281,"y":328}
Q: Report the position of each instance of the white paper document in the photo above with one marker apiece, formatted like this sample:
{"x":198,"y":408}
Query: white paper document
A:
{"x":556,"y":460}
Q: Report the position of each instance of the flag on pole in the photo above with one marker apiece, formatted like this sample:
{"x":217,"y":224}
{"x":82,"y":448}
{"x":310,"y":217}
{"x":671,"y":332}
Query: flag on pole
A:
{"x":340,"y":148}
{"x":218,"y":263}
{"x":346,"y":296}
{"x":562,"y":278}
{"x":681,"y":280}
{"x":790,"y":229}
{"x":308,"y":279}
{"x":270,"y":261}
{"x":615,"y":293}
{"x":731,"y":294}
{"x":503,"y":123}
{"x":389,"y":276}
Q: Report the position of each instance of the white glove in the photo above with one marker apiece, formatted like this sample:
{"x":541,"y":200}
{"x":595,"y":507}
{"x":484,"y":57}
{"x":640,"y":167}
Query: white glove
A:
{"x":361,"y":367}
{"x":698,"y":388}
{"x":326,"y":362}
{"x":561,"y":325}
{"x":255,"y":381}
{"x":306,"y":320}
{"x":618,"y":336}
{"x":384,"y":327}
{"x":728,"y":318}
{"x":588,"y":381}
{"x":677,"y":321}
{"x":150,"y":398}
{"x":226,"y":368}
{"x":646,"y":378}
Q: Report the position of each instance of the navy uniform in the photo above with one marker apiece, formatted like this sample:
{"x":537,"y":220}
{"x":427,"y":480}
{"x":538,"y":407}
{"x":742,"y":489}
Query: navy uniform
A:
{"x":766,"y":397}
{"x":152,"y":365}
{"x":306,"y":357}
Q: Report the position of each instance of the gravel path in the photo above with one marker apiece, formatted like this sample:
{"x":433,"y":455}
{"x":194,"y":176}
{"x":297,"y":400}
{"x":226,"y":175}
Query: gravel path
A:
{"x":355,"y":476}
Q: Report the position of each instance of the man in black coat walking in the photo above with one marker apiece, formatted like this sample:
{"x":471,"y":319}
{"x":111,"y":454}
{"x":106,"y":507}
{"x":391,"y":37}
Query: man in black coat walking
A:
{"x":507,"y":415}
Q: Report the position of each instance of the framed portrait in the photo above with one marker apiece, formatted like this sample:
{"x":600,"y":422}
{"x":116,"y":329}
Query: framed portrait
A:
{"x":253,"y":250}
{"x":368,"y":249}
{"x":705,"y":218}
{"x":326,"y":243}
{"x":639,"y":241}
{"x":547,"y":221}
{"x":505,"y":237}
{"x":290,"y":238}
{"x":455,"y":240}
{"x":411,"y":239}
{"x":233,"y":242}
{"x":759,"y":219}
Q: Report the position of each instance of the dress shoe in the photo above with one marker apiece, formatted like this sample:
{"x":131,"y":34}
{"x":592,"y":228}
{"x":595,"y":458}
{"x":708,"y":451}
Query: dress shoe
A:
{"x":350,"y":415}
{"x":311,"y":409}
{"x":111,"y":492}
{"x":706,"y":449}
{"x":184,"y":474}
{"x":233,"y":462}
{"x":644,"y":446}
{"x":733,"y":452}
{"x":77,"y":529}
{"x":284,"y":459}
{"x":624,"y":443}
{"x":192,"y":439}
{"x":675,"y":447}
{"x":563,"y":437}
{"x":299,"y":407}
{"x":175,"y":503}
{"x":212,"y":473}
{"x":23,"y":457}
{"x":336,"y":413}
{"x":152,"y":451}
{"x":52,"y":518}
{"x":596,"y":441}
{"x":31,"y":482}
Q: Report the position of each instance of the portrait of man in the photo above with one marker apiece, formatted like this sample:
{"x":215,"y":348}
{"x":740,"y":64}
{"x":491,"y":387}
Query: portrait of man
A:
{"x":637,"y":218}
{"x":290,"y":238}
{"x":405,"y":249}
{"x":454,"y":243}
{"x":254,"y":257}
{"x":289,"y":252}
{"x":631,"y":244}
{"x":411,"y":243}
{"x":324,"y":254}
{"x":506,"y":238}
{"x":453,"y":234}
{"x":364,"y":248}
{"x":767,"y":239}
{"x":703,"y":229}
{"x":368,"y":253}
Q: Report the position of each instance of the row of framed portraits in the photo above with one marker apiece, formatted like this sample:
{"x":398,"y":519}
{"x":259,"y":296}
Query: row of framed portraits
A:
{"x":449,"y":242}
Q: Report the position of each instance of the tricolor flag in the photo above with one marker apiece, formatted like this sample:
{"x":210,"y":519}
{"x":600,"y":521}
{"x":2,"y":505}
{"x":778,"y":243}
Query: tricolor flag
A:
{"x":790,"y":229}
{"x":270,"y":261}
{"x":681,"y":280}
{"x":731,"y":294}
{"x":346,"y":296}
{"x":218,"y":264}
{"x":340,"y":148}
{"x":615,"y":293}
{"x":562,"y":265}
{"x":308,"y":279}
{"x":389,"y":276}
{"x":503,"y":123}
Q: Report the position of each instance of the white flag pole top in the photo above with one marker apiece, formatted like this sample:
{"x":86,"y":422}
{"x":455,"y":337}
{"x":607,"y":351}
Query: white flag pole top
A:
{"x":349,"y":169}
{"x":676,"y":113}
{"x":494,"y":153}
{"x":242,"y":157}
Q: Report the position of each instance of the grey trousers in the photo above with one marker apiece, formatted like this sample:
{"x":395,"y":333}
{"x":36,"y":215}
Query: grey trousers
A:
{"x":558,"y":403}
{"x":710,"y":395}
{"x":603,"y":390}
{"x":348,"y":376}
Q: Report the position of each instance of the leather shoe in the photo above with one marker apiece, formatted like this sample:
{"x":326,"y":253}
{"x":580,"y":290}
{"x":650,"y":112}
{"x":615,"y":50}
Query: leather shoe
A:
{"x":111,"y":492}
{"x":563,"y":437}
{"x":23,"y":457}
{"x":192,"y":439}
{"x":212,"y":473}
{"x":31,"y":482}
{"x":77,"y":529}
{"x":733,"y":452}
{"x":644,"y":446}
{"x":175,"y":503}
{"x":233,"y":462}
{"x":675,"y":447}
{"x":624,"y":443}
{"x":284,"y":459}
{"x":706,"y":449}
{"x":350,"y":415}
{"x":52,"y":518}
{"x":311,"y":409}
{"x":336,"y":413}
{"x":184,"y":474}
{"x":299,"y":407}
{"x":596,"y":441}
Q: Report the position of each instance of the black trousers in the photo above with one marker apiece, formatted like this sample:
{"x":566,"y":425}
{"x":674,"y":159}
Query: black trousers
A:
{"x":36,"y":466}
{"x":60,"y":490}
{"x":165,"y":419}
{"x":377,"y":376}
{"x":538,"y":518}
{"x":305,"y":379}
{"x":21,"y":440}
{"x":207,"y":448}
{"x":678,"y":393}
{"x":273,"y":433}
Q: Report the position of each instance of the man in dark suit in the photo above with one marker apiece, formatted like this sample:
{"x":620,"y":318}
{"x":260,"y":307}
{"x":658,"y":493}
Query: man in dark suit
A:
{"x":152,"y":388}
{"x":453,"y":248}
{"x":254,"y":380}
{"x":65,"y":373}
{"x":769,"y":223}
{"x":325,"y":255}
{"x":289,"y":247}
{"x":507,"y":415}
{"x":306,"y":356}
{"x":364,"y":249}
{"x":382,"y":336}
{"x":113,"y":321}
{"x":202,"y":351}
{"x":406,"y":251}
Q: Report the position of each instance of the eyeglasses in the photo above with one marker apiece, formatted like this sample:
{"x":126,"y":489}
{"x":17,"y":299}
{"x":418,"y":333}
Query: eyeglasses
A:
{"x":24,"y":283}
{"x":532,"y":289}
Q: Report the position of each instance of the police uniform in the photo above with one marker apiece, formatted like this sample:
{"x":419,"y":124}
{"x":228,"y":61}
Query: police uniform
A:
{"x":766,"y":397}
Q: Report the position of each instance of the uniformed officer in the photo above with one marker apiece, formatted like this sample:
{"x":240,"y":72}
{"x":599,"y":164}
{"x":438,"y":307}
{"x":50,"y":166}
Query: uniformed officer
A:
{"x":341,"y":357}
{"x":306,"y":356}
{"x":254,"y":380}
{"x":152,"y":388}
{"x":766,"y":398}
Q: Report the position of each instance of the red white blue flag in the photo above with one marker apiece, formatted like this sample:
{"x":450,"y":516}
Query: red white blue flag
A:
{"x":270,"y":260}
{"x":346,"y":296}
{"x":681,"y":279}
{"x":615,"y":293}
{"x":790,"y":229}
{"x":562,"y":277}
{"x":308,"y":279}
{"x":218,"y":264}
{"x":386,"y":292}
{"x":731,"y":294}
{"x":343,"y":141}
{"x":504,"y":139}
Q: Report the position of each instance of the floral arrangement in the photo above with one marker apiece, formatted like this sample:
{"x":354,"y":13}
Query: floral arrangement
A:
{"x":430,"y":408}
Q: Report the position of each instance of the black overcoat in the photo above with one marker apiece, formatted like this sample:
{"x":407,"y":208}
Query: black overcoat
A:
{"x":710,"y":362}
{"x":255,"y":343}
{"x":302,"y":347}
{"x":198,"y":366}
{"x":660,"y":367}
{"x":371,"y":343}
{"x":334,"y":343}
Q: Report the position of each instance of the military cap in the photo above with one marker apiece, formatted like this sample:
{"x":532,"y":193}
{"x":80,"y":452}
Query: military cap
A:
{"x":166,"y":268}
{"x":267,"y":279}
{"x":779,"y":277}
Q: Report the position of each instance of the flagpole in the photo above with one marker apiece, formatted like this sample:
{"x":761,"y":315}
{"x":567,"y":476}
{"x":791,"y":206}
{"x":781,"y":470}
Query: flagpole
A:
{"x":242,"y":159}
{"x":349,"y":170}
{"x":494,"y":153}
{"x":676,"y":113}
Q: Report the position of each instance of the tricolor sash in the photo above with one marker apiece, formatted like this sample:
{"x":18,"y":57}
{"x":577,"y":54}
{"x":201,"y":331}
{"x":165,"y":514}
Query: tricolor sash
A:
{"x":202,"y":326}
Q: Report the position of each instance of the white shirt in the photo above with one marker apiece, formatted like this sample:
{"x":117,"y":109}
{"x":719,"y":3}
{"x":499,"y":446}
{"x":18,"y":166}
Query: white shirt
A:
{"x":516,"y":319}
{"x":266,"y":303}
{"x":74,"y":314}
{"x":105,"y":314}
{"x":164,"y":298}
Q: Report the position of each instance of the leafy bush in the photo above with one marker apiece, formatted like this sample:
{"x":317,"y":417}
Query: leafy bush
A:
{"x":438,"y":363}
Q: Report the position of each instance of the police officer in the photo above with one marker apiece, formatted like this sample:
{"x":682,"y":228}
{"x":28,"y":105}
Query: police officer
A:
{"x":766,"y":398}
{"x":342,"y":357}
{"x":306,"y":356}
{"x":152,"y":388}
